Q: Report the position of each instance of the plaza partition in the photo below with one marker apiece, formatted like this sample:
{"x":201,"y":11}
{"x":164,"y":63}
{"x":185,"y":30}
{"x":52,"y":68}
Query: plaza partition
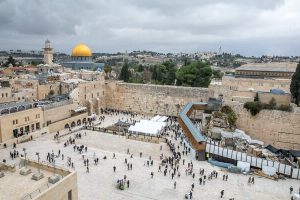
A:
{"x":214,"y":149}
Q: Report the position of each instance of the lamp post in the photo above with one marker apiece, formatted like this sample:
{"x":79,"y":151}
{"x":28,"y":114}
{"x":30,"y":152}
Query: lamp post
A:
{"x":53,"y":159}
{"x":25,"y":163}
{"x":38,"y":155}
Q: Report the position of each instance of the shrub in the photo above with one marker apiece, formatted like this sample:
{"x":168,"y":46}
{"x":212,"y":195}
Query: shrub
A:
{"x":253,"y":107}
{"x":273,"y":103}
{"x":256,"y":98}
{"x":231,"y":118}
{"x":226,"y":109}
{"x":286,"y":108}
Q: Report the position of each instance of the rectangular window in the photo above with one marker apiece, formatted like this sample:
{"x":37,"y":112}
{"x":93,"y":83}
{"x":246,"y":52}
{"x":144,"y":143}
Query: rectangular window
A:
{"x":16,"y":121}
{"x":37,"y":126}
{"x":13,"y":122}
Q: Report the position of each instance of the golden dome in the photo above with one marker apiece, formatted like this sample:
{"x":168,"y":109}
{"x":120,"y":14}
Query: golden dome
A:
{"x":81,"y":50}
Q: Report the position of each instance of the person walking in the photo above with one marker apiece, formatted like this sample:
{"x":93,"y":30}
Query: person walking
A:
{"x":128,"y":183}
{"x":175,"y":185}
{"x":222,"y":193}
{"x":87,"y":169}
{"x":291,"y":189}
{"x":114,"y":168}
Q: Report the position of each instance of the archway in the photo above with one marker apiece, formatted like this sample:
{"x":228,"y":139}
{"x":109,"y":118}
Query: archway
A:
{"x":21,"y":108}
{"x":4,"y":111}
{"x":14,"y":109}
{"x":84,"y":120}
{"x":67,"y":126}
{"x":73,"y":124}
{"x":79,"y":122}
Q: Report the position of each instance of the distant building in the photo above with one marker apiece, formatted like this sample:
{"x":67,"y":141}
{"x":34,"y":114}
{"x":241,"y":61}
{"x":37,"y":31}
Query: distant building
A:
{"x":81,"y":58}
{"x":48,"y":55}
{"x":267,"y":70}
{"x":48,"y":67}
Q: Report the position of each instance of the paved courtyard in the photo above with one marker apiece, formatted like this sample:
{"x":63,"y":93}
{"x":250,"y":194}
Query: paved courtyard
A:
{"x":100,"y":182}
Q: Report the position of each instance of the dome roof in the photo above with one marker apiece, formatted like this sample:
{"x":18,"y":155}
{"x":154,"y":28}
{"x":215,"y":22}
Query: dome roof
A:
{"x":81,"y":50}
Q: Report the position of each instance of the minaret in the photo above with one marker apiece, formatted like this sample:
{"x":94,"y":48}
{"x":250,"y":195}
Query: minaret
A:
{"x":48,"y":55}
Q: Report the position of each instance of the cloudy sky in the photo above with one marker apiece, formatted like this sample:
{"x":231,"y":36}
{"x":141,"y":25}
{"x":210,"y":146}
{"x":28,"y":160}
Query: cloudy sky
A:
{"x":249,"y":27}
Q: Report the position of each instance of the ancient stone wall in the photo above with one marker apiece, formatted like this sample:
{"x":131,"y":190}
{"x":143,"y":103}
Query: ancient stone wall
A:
{"x":151,"y":99}
{"x":278,"y":128}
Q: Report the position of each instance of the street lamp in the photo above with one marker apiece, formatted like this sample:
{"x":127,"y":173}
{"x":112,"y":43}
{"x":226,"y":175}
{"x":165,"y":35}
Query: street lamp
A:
{"x":53,"y":159}
{"x":25,"y":163}
{"x":38,"y":155}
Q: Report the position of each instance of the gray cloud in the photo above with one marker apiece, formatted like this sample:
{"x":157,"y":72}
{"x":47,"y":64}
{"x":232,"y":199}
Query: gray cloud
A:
{"x":249,"y":27}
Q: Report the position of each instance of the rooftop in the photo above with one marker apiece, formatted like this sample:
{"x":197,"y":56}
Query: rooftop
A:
{"x":23,"y":185}
{"x":271,"y":67}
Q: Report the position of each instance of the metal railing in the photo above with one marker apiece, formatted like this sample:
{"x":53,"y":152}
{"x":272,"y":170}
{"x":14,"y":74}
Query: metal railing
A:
{"x":36,"y":192}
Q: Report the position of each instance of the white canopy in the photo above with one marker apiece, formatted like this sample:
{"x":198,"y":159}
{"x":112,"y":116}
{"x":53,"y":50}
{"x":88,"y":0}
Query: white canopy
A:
{"x":148,"y":127}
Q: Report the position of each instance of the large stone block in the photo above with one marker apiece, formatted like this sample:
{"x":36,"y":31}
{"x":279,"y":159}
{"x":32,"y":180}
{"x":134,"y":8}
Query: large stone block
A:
{"x":54,"y":179}
{"x":25,"y":171}
{"x":37,"y":176}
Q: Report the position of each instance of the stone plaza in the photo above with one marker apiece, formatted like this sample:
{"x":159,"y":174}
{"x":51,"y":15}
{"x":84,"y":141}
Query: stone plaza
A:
{"x":100,"y":182}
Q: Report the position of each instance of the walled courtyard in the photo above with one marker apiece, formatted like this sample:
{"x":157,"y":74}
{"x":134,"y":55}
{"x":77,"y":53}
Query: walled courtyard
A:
{"x":100,"y":182}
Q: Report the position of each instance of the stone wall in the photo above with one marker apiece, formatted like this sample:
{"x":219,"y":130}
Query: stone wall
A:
{"x":60,"y":125}
{"x":281,"y":99}
{"x":279,"y":128}
{"x":151,"y":99}
{"x":44,"y":90}
{"x":59,"y":113}
{"x":265,"y":85}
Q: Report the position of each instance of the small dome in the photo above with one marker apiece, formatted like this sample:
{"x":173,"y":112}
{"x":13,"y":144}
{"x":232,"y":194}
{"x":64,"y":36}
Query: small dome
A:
{"x":81,"y":50}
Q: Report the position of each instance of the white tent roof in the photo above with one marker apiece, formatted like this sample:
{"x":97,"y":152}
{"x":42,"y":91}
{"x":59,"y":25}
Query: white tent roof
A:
{"x":148,"y":127}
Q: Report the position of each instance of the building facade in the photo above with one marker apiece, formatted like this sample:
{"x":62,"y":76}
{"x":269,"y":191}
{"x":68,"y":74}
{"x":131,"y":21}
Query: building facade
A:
{"x":266,"y":70}
{"x":20,"y":120}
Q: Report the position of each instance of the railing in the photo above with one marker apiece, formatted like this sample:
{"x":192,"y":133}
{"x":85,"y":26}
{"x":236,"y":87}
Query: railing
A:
{"x":36,"y":192}
{"x":57,"y":104}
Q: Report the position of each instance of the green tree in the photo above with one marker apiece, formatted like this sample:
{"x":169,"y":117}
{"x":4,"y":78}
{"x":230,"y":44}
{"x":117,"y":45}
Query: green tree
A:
{"x":171,"y":74}
{"x":226,"y":109}
{"x":256,"y":98}
{"x":253,"y":107}
{"x":196,"y":74}
{"x":107,"y":69}
{"x":125,"y":73}
{"x":11,"y":61}
{"x":140,"y":68}
{"x":273,"y":103}
{"x":295,"y":85}
{"x":231,"y":118}
{"x":217,"y":74}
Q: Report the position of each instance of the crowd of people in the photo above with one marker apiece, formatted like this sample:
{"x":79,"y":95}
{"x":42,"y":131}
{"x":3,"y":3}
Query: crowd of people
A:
{"x":171,"y":165}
